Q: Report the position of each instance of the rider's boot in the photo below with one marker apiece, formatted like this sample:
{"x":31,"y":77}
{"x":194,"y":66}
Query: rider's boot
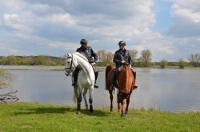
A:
{"x":75,"y":76}
{"x":96,"y":76}
{"x":112,"y":87}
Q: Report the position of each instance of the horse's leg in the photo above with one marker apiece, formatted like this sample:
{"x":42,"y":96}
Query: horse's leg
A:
{"x":77,"y":96}
{"x":79,"y":99}
{"x":91,"y":101}
{"x":111,"y":100}
{"x":76,"y":92}
{"x":118,"y":101}
{"x":127,"y":104}
{"x":122,"y":108}
{"x":84,"y":96}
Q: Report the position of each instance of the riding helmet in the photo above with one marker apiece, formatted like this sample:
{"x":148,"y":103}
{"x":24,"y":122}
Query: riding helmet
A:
{"x":83,"y":41}
{"x":122,"y":43}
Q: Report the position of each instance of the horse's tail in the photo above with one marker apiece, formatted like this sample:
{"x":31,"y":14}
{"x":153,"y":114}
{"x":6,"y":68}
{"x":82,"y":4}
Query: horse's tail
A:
{"x":108,"y":68}
{"x":74,"y":98}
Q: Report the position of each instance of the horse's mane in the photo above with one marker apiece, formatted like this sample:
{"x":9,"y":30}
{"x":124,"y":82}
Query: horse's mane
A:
{"x":81,"y":55}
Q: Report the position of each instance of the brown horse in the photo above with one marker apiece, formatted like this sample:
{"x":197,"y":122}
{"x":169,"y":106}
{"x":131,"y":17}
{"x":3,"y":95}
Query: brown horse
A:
{"x":125,"y":85}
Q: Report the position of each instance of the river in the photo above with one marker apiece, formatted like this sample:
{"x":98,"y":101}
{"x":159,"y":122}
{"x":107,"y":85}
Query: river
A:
{"x":175,"y":90}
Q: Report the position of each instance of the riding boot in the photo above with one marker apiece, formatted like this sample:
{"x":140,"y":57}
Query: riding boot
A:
{"x":112,"y":87}
{"x":96,"y":76}
{"x":134,"y":73}
{"x":75,"y":76}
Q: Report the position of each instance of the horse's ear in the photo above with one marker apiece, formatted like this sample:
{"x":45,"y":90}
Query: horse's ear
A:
{"x":67,"y":55}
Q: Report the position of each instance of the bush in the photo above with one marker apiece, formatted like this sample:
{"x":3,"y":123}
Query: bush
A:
{"x":181,"y":63}
{"x":163,"y":63}
{"x":5,"y":79}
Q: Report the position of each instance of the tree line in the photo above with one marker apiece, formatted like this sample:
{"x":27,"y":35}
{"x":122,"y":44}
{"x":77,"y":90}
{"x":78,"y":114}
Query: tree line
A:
{"x":32,"y":60}
{"x":104,"y":58}
{"x":193,"y":60}
{"x":144,"y":60}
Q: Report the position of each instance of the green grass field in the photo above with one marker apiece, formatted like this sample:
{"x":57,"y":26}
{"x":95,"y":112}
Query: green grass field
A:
{"x":34,"y":117}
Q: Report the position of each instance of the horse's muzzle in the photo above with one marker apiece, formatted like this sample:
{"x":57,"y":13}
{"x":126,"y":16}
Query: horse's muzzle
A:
{"x":67,"y":73}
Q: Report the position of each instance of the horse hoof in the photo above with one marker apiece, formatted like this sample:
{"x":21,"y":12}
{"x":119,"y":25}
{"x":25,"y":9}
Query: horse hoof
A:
{"x":78,"y":112}
{"x":86,"y":109}
{"x":123,"y":115}
{"x":91,"y":113}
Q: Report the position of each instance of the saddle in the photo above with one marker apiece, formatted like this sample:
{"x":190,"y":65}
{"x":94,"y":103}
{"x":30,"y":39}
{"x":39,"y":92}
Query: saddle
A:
{"x":114,"y":71}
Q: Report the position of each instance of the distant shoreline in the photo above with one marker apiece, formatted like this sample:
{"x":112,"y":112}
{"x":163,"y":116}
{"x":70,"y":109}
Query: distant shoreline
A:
{"x":38,"y":67}
{"x":61,"y":68}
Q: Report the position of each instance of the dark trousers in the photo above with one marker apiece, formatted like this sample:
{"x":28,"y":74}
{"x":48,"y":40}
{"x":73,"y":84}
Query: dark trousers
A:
{"x":115,"y":74}
{"x":75,"y":75}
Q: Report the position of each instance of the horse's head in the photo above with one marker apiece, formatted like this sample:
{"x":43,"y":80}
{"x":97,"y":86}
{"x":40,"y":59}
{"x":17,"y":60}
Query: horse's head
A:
{"x":70,"y":64}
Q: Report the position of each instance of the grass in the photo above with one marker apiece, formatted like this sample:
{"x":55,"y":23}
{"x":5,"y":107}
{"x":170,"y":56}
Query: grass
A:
{"x":25,"y":117}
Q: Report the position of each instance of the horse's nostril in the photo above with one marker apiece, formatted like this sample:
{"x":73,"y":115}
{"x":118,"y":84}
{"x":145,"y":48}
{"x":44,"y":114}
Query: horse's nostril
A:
{"x":66,"y":74}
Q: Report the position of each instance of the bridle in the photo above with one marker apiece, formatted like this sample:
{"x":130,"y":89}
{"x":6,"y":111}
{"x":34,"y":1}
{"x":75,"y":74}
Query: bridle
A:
{"x":70,"y":70}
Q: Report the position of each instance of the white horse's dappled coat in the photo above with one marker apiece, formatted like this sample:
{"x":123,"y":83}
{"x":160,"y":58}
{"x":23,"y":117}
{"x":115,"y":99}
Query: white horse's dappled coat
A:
{"x":86,"y":78}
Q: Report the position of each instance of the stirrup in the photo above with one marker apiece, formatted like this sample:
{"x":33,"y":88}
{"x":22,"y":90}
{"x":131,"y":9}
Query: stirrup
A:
{"x":95,"y":86}
{"x":112,"y":87}
{"x":74,"y":83}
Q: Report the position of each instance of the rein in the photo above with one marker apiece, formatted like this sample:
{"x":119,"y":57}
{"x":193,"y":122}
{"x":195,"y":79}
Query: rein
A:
{"x":70,"y":68}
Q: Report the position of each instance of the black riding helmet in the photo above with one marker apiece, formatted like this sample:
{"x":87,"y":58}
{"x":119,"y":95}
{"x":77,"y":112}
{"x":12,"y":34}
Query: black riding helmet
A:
{"x":83,"y":41}
{"x":122,"y":43}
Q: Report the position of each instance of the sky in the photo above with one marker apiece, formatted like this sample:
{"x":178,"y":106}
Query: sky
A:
{"x":170,"y":29}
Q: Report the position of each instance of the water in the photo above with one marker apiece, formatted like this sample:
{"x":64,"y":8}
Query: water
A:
{"x":168,"y":89}
{"x":173,"y":90}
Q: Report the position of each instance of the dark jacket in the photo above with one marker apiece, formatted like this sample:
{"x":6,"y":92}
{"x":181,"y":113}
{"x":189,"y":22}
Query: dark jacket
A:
{"x":122,"y":55}
{"x":89,"y":53}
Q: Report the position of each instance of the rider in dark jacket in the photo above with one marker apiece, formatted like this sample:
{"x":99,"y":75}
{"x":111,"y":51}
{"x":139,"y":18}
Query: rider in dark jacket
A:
{"x":121,"y":56}
{"x":89,"y":53}
{"x":92,"y":58}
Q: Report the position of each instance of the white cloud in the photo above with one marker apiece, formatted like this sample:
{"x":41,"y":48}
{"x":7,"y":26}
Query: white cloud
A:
{"x":12,"y":5}
{"x":65,"y":19}
{"x":63,"y":45}
{"x":185,"y":18}
{"x":14,"y":21}
{"x":55,"y":27}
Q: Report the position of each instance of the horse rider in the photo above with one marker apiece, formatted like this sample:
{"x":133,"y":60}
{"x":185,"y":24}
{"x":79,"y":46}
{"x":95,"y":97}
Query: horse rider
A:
{"x":92,"y":58}
{"x":121,"y":57}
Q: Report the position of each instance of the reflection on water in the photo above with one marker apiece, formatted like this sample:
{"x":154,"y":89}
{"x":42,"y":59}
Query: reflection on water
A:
{"x":164,"y":89}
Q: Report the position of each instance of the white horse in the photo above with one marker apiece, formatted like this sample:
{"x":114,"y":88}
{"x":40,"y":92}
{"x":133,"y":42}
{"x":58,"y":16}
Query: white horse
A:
{"x":86,"y":78}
